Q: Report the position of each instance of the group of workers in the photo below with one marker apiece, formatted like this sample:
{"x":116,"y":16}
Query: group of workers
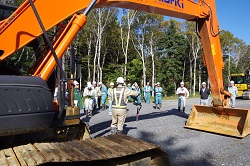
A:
{"x":96,"y":96}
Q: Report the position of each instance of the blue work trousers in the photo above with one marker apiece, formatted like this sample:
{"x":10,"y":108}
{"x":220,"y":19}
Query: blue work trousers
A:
{"x":147,"y":97}
{"x":158,"y":99}
{"x":103,"y":99}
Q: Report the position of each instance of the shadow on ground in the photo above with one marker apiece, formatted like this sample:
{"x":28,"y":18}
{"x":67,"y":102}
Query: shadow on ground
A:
{"x":178,"y":156}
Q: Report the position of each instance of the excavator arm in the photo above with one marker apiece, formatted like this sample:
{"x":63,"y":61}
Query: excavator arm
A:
{"x":22,"y":27}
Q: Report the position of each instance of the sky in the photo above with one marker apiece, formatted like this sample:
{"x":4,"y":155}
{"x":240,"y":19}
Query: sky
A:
{"x":234,"y":16}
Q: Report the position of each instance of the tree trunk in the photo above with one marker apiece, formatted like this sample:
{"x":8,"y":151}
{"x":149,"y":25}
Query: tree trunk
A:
{"x":191,"y":76}
{"x":143,"y":69}
{"x":184,"y":69}
{"x":129,"y":20}
{"x":153,"y":71}
{"x":89,"y":51}
{"x":94,"y":70}
{"x":199,"y":76}
{"x":194,"y":86}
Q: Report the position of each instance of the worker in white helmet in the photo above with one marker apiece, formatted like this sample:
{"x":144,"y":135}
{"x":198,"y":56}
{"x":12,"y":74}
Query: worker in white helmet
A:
{"x":119,"y":106}
{"x":183,"y":93}
{"x":89,"y":95}
{"x":234,"y":92}
{"x":137,"y":100}
{"x":77,"y":96}
{"x":158,"y":96}
{"x":110,"y":91}
{"x":104,"y":93}
{"x":204,"y":93}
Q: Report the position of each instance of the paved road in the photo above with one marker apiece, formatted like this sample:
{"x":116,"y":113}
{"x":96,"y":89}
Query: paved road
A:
{"x":184,"y":146}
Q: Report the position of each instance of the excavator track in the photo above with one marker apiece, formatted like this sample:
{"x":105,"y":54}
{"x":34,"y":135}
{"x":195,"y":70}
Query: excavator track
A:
{"x":108,"y":150}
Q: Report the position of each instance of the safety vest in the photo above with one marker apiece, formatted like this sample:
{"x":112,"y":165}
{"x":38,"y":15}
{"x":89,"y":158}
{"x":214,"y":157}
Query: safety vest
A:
{"x":118,"y":99}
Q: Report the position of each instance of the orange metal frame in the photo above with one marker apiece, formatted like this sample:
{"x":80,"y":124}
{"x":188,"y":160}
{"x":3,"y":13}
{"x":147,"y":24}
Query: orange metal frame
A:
{"x":22,"y":27}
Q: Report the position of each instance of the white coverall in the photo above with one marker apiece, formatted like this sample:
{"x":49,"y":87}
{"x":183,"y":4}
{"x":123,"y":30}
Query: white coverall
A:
{"x":183,"y":94}
{"x":89,"y":95}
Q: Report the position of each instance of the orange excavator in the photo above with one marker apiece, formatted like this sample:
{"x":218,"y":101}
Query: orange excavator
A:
{"x":27,"y":109}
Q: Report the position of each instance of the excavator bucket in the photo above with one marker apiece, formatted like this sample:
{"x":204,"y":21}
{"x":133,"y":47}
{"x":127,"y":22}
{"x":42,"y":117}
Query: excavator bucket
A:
{"x":227,"y":121}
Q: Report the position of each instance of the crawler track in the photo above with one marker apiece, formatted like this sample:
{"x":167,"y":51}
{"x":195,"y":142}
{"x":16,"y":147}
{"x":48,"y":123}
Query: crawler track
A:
{"x":109,"y":150}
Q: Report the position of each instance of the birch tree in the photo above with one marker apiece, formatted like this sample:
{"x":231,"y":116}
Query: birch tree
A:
{"x":139,"y":29}
{"x":125,"y":24}
{"x":153,"y":35}
{"x":195,"y":47}
{"x":101,"y":17}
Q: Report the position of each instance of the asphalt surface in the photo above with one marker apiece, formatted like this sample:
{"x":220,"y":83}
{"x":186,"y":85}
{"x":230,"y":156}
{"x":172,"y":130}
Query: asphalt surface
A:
{"x":184,"y":146}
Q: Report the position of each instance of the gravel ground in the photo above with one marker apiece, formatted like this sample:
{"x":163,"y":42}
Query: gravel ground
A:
{"x":184,"y":146}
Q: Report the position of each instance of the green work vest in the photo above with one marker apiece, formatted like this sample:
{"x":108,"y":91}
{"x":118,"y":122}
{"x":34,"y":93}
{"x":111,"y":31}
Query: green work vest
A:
{"x":118,"y":99}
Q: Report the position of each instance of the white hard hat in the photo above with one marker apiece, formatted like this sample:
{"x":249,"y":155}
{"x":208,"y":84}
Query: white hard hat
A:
{"x":158,"y":83}
{"x":75,"y":83}
{"x":100,"y":83}
{"x":93,"y":82}
{"x":129,"y":84}
{"x":182,"y":83}
{"x":203,"y":83}
{"x":112,"y":84}
{"x":120,"y":80}
{"x":136,"y":84}
{"x":231,"y":82}
{"x":89,"y":85}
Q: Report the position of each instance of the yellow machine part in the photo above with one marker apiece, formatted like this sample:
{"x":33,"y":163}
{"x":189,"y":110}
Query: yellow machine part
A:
{"x":71,"y":112}
{"x":227,"y":121}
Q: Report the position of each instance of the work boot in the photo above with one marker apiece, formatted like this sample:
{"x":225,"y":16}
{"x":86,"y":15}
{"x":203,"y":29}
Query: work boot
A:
{"x":184,"y":109}
{"x":179,"y":109}
{"x":113,"y":130}
{"x":159,"y":106}
{"x":119,"y":132}
{"x":103,"y":106}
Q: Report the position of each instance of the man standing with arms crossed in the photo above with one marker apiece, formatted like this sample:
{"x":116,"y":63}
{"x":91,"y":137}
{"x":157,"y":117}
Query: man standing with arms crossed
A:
{"x":119,"y":106}
{"x":204,"y":92}
{"x":158,"y":96}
